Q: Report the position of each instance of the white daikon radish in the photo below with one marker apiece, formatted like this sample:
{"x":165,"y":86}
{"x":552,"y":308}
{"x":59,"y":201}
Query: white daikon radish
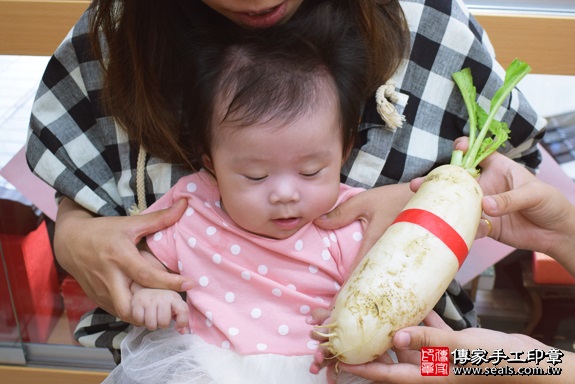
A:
{"x":403,"y":276}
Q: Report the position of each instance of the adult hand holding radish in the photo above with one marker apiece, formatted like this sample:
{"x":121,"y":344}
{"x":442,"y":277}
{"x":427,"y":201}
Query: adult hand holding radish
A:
{"x":526,"y":213}
{"x":517,"y":205}
{"x":360,"y":208}
{"x":409,"y":341}
{"x":404,"y":274}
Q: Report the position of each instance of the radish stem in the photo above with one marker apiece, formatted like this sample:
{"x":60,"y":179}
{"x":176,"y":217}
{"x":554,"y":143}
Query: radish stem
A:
{"x":493,"y":133}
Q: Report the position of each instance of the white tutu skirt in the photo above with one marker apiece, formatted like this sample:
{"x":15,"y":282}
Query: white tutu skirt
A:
{"x":165,"y":356}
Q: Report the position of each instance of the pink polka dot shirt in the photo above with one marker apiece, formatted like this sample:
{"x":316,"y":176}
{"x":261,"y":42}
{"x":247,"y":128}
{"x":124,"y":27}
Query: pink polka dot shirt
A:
{"x":252,"y":294}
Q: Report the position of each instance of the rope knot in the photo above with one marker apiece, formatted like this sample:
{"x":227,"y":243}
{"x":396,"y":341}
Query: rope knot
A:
{"x":385,"y":96}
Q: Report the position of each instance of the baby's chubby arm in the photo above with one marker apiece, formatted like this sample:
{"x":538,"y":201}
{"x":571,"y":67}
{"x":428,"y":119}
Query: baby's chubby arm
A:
{"x":156,"y":308}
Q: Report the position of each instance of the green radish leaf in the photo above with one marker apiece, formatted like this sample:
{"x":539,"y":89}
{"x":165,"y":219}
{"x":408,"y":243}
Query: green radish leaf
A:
{"x":492,"y":133}
{"x":514,"y":74}
{"x":464,"y":81}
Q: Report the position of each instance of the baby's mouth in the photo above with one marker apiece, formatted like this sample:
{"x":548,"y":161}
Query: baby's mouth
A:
{"x":288,"y":222}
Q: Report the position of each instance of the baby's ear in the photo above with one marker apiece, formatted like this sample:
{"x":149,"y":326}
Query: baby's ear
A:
{"x":207,"y":162}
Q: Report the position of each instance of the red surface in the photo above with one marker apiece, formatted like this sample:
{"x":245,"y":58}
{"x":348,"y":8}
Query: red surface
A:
{"x":548,"y":271}
{"x":76,"y":302}
{"x":33,"y":283}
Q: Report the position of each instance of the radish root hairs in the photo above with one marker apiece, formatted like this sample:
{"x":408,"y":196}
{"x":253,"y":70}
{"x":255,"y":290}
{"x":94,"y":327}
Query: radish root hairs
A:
{"x":403,"y":276}
{"x":334,"y":334}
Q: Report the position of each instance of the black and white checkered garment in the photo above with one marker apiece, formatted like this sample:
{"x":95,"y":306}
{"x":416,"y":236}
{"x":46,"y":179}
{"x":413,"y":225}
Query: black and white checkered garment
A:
{"x":80,"y":151}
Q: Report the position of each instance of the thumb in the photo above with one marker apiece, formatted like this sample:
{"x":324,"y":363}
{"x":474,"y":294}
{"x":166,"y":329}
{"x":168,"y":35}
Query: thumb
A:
{"x":433,"y":334}
{"x":507,"y":202}
{"x":417,"y":337}
{"x":318,"y":316}
{"x":344,"y":214}
{"x":148,"y":223}
{"x":416,"y":183}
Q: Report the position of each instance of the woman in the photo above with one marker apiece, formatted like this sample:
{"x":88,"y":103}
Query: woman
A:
{"x":91,"y":127}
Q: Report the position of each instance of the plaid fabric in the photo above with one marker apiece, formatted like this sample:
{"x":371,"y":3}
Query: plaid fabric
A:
{"x":84,"y":155}
{"x":444,"y":39}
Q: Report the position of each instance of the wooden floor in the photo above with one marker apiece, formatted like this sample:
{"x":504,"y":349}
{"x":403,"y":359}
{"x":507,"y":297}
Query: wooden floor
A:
{"x":31,"y":375}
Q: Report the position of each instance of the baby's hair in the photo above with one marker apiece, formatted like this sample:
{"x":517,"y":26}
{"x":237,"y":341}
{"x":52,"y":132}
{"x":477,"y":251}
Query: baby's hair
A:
{"x":276,"y":74}
{"x":139,"y":45}
{"x":258,"y":84}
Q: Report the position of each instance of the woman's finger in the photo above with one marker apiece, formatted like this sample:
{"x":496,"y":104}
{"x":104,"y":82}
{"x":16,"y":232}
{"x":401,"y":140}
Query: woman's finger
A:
{"x":148,"y":223}
{"x":416,"y":183}
{"x":345,"y":213}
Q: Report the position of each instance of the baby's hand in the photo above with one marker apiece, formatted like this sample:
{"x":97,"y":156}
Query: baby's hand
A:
{"x":322,"y":357}
{"x":156,"y":308}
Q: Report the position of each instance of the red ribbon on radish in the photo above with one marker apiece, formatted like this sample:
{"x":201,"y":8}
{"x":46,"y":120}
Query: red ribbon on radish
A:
{"x":438,"y":227}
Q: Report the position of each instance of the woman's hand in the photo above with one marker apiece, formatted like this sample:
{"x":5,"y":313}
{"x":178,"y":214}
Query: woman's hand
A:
{"x":407,"y":370}
{"x":376,"y":208}
{"x":525,"y":212}
{"x":408,"y":342}
{"x":101,"y":253}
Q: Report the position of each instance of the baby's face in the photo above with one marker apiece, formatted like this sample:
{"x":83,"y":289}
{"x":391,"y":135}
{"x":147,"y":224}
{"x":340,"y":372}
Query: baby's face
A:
{"x":276,"y":177}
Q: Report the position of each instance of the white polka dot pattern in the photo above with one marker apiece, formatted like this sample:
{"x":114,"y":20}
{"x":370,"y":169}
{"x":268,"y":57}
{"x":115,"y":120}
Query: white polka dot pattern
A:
{"x":256,"y":313}
{"x":312,"y":344}
{"x":252,"y":295}
{"x":261,"y":347}
{"x":283,"y":329}
{"x":209,"y":319}
{"x":299,"y":245}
